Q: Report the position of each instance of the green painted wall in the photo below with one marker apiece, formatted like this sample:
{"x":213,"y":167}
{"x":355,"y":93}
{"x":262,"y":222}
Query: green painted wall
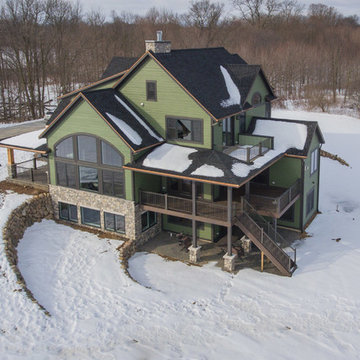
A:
{"x":311,"y":181}
{"x":146,"y":182}
{"x":218,"y":136}
{"x":172,"y":100}
{"x":283,"y":174}
{"x":205,"y":233}
{"x":84,"y":119}
{"x":258,"y":86}
{"x":251,"y":139}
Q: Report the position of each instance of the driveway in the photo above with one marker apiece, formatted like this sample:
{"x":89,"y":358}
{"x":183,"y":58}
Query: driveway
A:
{"x":21,"y":129}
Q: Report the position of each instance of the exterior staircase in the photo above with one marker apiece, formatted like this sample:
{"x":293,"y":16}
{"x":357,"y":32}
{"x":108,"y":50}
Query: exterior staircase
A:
{"x":265,"y":237}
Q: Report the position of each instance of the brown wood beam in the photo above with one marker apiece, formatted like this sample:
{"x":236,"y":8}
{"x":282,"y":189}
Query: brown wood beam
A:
{"x":193,"y":193}
{"x":10,"y":156}
{"x":185,"y":215}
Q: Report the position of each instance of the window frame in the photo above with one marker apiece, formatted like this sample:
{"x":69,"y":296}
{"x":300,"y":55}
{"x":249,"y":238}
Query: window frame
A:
{"x":151,"y":98}
{"x":148,"y":225}
{"x":60,"y":203}
{"x":311,"y":192}
{"x":98,"y":165}
{"x":314,"y":161}
{"x":169,"y":118}
{"x":90,"y":224}
{"x":256,"y":94}
{"x":114,"y":215}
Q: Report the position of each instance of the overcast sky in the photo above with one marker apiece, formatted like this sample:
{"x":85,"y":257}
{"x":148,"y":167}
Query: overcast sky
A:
{"x":346,"y":7}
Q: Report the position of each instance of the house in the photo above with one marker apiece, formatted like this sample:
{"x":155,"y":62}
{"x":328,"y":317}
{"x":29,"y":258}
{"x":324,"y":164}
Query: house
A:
{"x":183,"y":141}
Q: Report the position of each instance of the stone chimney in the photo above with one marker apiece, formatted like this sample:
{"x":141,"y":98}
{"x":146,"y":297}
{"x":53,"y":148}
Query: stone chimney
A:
{"x":159,"y":45}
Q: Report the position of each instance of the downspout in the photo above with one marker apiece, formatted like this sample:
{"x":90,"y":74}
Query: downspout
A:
{"x":302,"y":195}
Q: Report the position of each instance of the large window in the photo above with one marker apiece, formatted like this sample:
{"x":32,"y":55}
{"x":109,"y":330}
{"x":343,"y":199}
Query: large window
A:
{"x":314,"y":161}
{"x":94,"y":165}
{"x":148,"y":219}
{"x":68,"y":212}
{"x":184,"y":129}
{"x":114,"y":222}
{"x":151,"y":91}
{"x":310,"y":201}
{"x":90,"y":217}
{"x":184,"y":187}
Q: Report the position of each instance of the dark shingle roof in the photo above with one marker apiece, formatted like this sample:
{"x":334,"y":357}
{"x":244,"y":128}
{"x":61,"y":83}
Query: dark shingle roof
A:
{"x":214,"y":158}
{"x":61,"y":106}
{"x":108,"y":103}
{"x":312,"y":127}
{"x":117,"y":65}
{"x":198,"y":70}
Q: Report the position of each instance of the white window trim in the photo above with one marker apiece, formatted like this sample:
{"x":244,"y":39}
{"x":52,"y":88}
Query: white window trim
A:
{"x":314,"y":156}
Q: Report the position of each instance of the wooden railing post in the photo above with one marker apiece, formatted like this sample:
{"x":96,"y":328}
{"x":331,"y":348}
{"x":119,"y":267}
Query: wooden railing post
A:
{"x":248,"y":155}
{"x":32,"y":174}
{"x":260,"y":148}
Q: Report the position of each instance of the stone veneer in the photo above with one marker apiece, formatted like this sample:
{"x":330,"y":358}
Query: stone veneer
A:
{"x":103,"y":203}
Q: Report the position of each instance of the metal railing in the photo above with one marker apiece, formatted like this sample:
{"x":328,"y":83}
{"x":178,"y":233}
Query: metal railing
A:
{"x":248,"y":153}
{"x":268,"y":236}
{"x":34,"y":170}
{"x":204,"y":208}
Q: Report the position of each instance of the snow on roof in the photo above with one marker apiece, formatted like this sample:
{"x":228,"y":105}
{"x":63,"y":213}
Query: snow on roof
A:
{"x":151,"y":132}
{"x":232,"y":89}
{"x":170,"y":157}
{"x":28,"y":140}
{"x":130,"y":133}
{"x":208,"y":170}
{"x":242,"y":169}
{"x":286,"y":135}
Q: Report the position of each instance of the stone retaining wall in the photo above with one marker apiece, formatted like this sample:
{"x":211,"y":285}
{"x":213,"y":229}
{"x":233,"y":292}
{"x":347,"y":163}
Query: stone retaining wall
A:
{"x":32,"y":210}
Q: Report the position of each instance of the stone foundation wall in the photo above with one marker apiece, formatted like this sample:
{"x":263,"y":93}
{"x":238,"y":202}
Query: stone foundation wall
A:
{"x":33,"y":210}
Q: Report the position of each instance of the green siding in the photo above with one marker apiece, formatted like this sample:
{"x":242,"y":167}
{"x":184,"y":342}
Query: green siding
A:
{"x":84,"y":119}
{"x":107,"y":85}
{"x":205,"y":233}
{"x":218,"y":136}
{"x":172,"y":100}
{"x":311,"y":181}
{"x":260,"y":87}
{"x":146,"y":182}
{"x":251,"y":139}
{"x":283,"y":174}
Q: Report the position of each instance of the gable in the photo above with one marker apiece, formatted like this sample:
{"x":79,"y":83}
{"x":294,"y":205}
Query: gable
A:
{"x":259,"y":86}
{"x":172,"y":99}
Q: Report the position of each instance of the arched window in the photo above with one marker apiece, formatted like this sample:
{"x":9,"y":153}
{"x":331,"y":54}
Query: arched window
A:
{"x":256,"y":99}
{"x":89,"y":163}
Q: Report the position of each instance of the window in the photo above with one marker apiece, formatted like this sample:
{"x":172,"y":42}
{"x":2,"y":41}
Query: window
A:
{"x":113,"y":183}
{"x":65,"y":149}
{"x":90,"y":217}
{"x":95,"y":165}
{"x":151,"y":91}
{"x":310,"y":200}
{"x":228,"y":131}
{"x":268,"y":109}
{"x":66,"y":174}
{"x":314,"y":161}
{"x":184,"y":187}
{"x":68,"y":212}
{"x":87,"y":148}
{"x":256,"y":99}
{"x":114,"y":222}
{"x":148,"y":219}
{"x":184,"y":129}
{"x":109,"y":156}
{"x":88,"y":178}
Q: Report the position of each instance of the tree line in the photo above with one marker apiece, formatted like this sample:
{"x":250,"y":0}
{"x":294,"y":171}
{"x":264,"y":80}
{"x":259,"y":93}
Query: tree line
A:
{"x":50,"y":47}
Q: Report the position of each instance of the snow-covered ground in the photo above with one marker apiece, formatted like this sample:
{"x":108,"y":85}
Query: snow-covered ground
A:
{"x":179,"y":311}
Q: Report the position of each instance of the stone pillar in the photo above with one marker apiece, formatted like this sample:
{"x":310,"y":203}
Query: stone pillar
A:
{"x":245,"y":244}
{"x":194,"y":254}
{"x":229,"y":262}
{"x":12,"y":171}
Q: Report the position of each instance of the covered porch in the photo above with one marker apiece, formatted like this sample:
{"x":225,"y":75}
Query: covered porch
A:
{"x":34,"y":170}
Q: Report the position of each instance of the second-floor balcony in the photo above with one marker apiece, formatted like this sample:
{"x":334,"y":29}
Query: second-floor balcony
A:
{"x":268,"y":201}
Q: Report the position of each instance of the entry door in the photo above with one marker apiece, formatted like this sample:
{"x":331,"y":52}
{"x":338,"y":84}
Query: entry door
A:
{"x":228,"y":131}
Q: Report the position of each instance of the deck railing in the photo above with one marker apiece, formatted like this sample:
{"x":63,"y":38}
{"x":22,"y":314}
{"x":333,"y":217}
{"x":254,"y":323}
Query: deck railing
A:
{"x":250,"y":152}
{"x":204,"y":208}
{"x":34,"y":170}
{"x":276,"y":204}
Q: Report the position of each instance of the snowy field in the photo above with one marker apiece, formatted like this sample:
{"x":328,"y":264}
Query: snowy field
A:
{"x":176,"y":311}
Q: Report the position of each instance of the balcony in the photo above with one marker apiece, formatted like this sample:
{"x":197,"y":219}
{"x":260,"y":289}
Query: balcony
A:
{"x":273,"y":201}
{"x":205,"y":211}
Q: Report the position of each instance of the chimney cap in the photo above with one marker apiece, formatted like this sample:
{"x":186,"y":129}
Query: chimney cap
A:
{"x":159,"y":35}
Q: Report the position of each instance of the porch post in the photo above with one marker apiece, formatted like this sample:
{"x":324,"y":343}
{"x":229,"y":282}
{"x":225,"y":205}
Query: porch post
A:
{"x":229,"y":258}
{"x":194,"y":249}
{"x":34,"y":162}
{"x":11,"y":164}
{"x":247,"y":191}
